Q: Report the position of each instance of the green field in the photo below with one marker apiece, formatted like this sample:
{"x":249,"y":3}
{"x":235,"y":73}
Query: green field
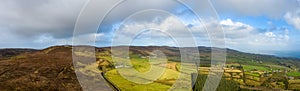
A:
{"x":126,"y":85}
{"x":165,"y":80}
{"x":250,"y":67}
{"x":240,"y":70}
{"x":293,"y":73}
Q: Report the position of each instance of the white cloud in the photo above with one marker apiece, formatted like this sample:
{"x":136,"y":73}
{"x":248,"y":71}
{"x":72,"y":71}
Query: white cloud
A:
{"x":293,"y":18}
{"x":147,"y":32}
{"x":269,"y":8}
{"x":270,"y":40}
{"x":238,"y":35}
{"x":246,"y":37}
{"x":236,"y":29}
{"x":84,"y":39}
{"x":170,"y":25}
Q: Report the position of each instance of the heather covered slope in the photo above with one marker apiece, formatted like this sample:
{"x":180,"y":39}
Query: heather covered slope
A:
{"x":49,"y":69}
{"x":7,"y":53}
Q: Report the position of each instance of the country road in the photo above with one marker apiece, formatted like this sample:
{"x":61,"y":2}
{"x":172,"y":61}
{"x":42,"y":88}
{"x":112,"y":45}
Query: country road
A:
{"x":110,"y":83}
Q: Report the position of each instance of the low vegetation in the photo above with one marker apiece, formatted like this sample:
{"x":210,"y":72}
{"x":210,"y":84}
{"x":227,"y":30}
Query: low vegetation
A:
{"x":43,"y":69}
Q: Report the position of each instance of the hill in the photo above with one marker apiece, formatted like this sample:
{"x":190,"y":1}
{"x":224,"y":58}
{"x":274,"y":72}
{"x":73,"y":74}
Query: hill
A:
{"x":39,"y":70}
{"x":233,"y":56}
{"x":7,"y":53}
{"x":52,"y":68}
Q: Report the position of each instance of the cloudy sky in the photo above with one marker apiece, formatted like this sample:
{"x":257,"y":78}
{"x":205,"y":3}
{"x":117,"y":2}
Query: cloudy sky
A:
{"x":264,"y":26}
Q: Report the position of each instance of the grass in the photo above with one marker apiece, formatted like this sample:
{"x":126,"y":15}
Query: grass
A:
{"x":141,"y":65}
{"x":91,"y":69}
{"x":251,"y":67}
{"x":252,"y":83}
{"x":187,"y":67}
{"x":278,"y":67}
{"x":165,"y":81}
{"x":294,"y":81}
{"x":85,"y":54}
{"x":127,"y":85}
{"x":252,"y":74}
{"x":174,"y":70}
{"x":293,"y":74}
{"x":169,"y":74}
{"x":295,"y":87}
{"x":18,"y":57}
{"x":108,"y":58}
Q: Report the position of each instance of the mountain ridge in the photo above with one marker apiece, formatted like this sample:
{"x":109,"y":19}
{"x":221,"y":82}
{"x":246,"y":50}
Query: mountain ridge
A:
{"x":24,"y":50}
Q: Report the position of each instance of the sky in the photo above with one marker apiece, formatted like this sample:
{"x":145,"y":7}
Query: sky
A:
{"x":264,"y":26}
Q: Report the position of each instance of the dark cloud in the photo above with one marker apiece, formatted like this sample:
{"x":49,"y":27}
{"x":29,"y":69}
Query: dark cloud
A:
{"x":30,"y":18}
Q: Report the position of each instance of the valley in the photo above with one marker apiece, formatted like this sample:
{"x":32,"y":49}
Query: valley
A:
{"x":52,"y":69}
